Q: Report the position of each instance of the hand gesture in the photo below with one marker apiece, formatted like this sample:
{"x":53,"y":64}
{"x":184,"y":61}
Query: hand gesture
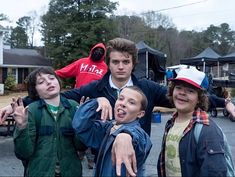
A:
{"x":84,"y":99}
{"x":20,"y":114}
{"x":123,"y":152}
{"x":4,"y":113}
{"x":230,"y":108}
{"x":105,"y":107}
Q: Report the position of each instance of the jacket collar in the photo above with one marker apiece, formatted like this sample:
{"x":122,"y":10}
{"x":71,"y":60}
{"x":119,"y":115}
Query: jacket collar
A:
{"x":63,"y":101}
{"x":199,"y":116}
{"x":105,"y":81}
{"x":130,"y":124}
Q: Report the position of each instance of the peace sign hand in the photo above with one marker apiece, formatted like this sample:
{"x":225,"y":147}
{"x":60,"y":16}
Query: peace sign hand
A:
{"x":20,"y":114}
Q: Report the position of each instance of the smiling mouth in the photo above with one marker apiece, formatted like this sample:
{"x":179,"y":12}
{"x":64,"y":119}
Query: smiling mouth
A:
{"x":181,"y":100}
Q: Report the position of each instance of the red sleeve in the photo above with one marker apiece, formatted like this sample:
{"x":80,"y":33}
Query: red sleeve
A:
{"x":68,"y":71}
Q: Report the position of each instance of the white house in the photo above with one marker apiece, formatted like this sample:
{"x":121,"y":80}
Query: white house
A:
{"x":18,"y":62}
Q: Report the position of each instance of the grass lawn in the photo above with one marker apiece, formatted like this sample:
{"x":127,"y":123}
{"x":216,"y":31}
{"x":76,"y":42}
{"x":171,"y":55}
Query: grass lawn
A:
{"x":6,"y":98}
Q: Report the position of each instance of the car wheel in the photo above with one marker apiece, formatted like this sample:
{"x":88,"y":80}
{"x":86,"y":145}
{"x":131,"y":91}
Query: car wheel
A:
{"x":213,"y":112}
{"x":225,"y":112}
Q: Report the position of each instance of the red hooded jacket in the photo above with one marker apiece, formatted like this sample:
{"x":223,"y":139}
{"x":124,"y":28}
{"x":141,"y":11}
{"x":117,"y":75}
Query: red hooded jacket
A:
{"x":85,"y":70}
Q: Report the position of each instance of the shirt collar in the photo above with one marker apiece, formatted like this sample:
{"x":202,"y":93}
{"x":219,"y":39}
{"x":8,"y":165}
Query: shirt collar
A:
{"x":199,"y":116}
{"x":129,"y":83}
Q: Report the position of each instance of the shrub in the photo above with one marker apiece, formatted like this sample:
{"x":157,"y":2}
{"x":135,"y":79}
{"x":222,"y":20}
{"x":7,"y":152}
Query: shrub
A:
{"x":10,"y":82}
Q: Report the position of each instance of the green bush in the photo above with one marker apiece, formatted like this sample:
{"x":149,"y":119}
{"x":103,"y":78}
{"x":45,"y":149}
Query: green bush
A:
{"x":10,"y":82}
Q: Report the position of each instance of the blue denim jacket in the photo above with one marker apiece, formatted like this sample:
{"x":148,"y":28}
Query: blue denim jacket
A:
{"x":96,"y":134}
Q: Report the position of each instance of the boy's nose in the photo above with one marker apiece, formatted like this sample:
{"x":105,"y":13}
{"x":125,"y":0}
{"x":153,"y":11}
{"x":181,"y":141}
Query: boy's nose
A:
{"x":123,"y":104}
{"x":48,"y":81}
{"x":120,"y":65}
{"x":183,"y":91}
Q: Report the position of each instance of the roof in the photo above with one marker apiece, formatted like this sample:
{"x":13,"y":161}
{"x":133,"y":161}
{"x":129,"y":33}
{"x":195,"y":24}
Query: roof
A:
{"x":24,"y":57}
{"x":143,"y":47}
{"x":230,"y":58}
{"x":208,"y":55}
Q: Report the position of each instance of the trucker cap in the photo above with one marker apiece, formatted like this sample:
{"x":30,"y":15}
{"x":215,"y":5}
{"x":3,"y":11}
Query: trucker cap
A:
{"x":193,"y":77}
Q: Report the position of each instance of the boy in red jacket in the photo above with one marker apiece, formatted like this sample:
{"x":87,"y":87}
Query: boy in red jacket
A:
{"x":86,"y":69}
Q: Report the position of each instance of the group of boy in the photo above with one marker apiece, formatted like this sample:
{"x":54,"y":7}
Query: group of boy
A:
{"x":113,"y":91}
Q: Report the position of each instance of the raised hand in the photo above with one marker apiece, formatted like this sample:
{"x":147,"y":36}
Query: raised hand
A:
{"x":4,"y":113}
{"x":20,"y":113}
{"x":105,"y":107}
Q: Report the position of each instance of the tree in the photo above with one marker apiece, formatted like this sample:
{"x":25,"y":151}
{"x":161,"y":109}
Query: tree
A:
{"x":220,"y":38}
{"x":161,"y":33}
{"x":19,"y":38}
{"x":20,"y":34}
{"x":155,"y":20}
{"x":131,"y":27}
{"x":6,"y":32}
{"x":3,"y":17}
{"x":70,"y":28}
{"x":29,"y":24}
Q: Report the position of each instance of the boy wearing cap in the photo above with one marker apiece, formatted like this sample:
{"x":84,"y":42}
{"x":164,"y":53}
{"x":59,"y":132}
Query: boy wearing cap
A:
{"x":181,"y":154}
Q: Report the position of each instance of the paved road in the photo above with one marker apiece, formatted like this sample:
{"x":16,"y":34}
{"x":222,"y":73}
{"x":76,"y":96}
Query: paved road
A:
{"x":10,"y":166}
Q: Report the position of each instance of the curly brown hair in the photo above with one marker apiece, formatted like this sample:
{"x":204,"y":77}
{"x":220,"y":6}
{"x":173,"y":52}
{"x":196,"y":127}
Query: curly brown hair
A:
{"x":202,"y":97}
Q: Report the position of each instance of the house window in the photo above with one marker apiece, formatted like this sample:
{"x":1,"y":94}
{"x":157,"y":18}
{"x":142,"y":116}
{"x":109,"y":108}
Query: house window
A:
{"x":22,"y":74}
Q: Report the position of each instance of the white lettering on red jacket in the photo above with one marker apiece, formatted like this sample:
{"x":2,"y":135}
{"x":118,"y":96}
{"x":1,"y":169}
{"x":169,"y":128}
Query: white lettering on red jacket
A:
{"x":85,"y":68}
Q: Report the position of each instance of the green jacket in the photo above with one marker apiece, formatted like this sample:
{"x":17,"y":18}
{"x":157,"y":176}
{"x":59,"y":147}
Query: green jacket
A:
{"x":55,"y":141}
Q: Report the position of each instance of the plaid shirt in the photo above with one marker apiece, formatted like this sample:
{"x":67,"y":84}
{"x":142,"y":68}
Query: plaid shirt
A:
{"x":198,"y":116}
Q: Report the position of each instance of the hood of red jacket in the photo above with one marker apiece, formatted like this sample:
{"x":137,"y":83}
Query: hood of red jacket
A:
{"x":101,"y":45}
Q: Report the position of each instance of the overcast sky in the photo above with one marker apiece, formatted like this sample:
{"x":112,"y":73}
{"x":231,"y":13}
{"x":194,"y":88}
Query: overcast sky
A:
{"x":185,"y":14}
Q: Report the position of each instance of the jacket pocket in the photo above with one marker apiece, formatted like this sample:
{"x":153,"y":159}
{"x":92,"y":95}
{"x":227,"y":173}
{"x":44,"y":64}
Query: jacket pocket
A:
{"x":215,"y":158}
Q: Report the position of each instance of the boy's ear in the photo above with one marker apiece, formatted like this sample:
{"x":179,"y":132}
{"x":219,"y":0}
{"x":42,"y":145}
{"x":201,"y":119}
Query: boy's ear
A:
{"x":141,"y":114}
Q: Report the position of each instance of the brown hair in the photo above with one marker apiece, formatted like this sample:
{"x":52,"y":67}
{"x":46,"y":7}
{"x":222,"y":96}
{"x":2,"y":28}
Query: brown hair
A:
{"x":202,"y":97}
{"x":122,"y":45}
